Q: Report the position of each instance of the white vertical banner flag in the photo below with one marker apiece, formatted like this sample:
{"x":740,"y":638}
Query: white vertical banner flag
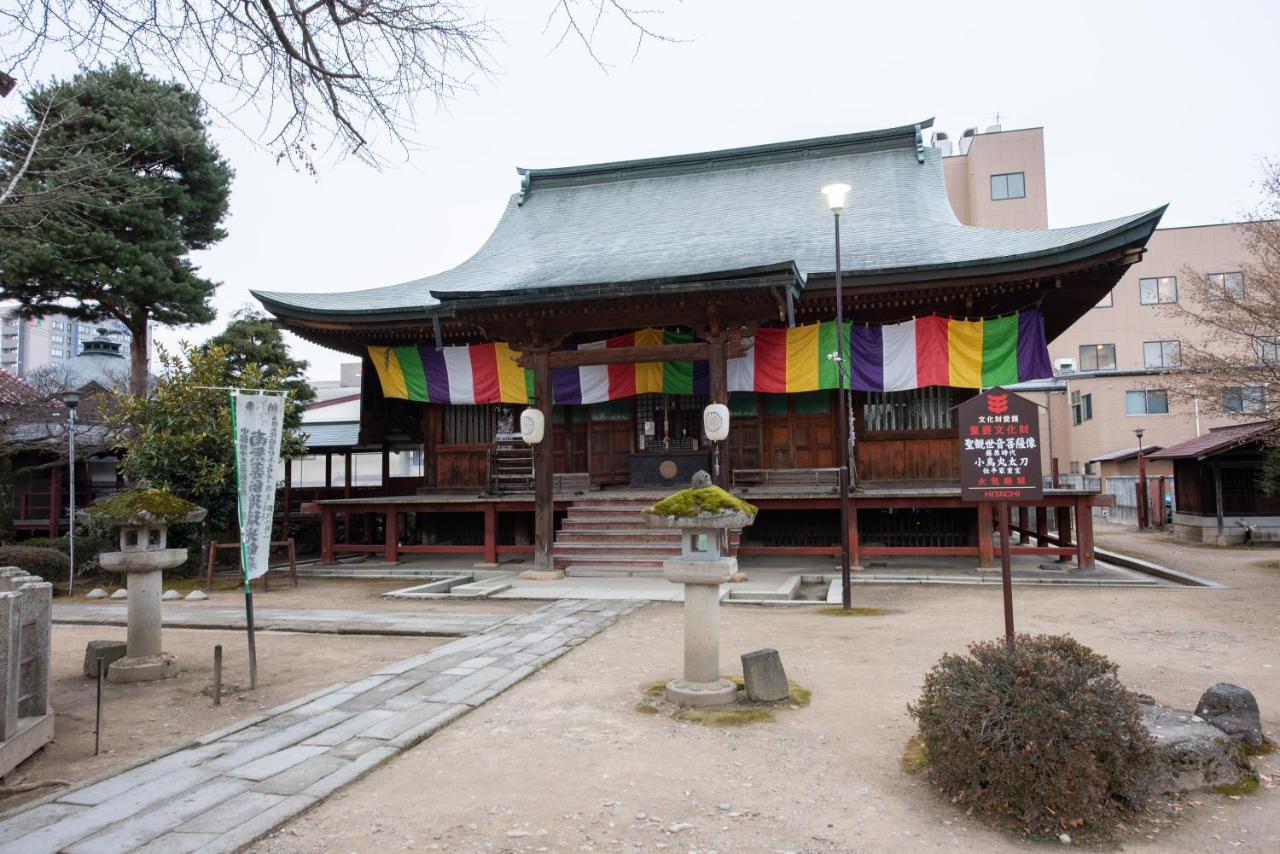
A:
{"x":259,"y":424}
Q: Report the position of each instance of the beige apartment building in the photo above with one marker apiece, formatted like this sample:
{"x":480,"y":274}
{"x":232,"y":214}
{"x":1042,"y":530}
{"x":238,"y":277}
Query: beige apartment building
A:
{"x":1111,"y":366}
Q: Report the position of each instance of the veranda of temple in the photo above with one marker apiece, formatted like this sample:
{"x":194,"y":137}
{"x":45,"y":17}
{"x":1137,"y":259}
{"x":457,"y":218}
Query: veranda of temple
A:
{"x":621,"y":298}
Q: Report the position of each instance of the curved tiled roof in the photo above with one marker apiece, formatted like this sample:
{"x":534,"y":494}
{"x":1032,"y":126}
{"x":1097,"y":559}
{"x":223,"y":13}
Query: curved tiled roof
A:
{"x":718,"y":212}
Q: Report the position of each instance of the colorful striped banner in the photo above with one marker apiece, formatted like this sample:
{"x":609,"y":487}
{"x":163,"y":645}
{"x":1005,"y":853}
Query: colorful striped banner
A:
{"x":478,"y":373}
{"x":925,"y":351}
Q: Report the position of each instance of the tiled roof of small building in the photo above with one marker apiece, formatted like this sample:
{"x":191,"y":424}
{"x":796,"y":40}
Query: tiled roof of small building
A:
{"x":720,"y":212}
{"x":1216,"y":441}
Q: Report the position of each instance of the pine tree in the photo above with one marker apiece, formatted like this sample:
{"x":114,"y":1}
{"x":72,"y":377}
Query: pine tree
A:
{"x":126,"y":254}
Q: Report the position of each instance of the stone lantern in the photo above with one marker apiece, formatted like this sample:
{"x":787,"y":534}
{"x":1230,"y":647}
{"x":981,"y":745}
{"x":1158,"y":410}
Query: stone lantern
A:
{"x":143,"y":516}
{"x":704,"y":514}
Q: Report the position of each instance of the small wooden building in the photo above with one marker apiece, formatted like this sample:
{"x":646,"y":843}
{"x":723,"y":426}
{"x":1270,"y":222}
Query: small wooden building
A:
{"x":621,"y":298}
{"x":1218,"y":498}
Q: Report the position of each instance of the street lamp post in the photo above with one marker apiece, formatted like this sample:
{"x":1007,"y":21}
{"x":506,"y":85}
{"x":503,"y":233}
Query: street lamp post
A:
{"x":836,"y":194}
{"x":70,"y":400}
{"x":1142,"y":481}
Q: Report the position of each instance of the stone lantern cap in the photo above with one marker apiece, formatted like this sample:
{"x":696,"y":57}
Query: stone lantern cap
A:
{"x":142,"y":506}
{"x":700,"y":506}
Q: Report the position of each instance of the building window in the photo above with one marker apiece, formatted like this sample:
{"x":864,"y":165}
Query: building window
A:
{"x":1081,"y":407}
{"x":1226,"y":286}
{"x":1146,"y":401}
{"x":1011,"y":185}
{"x":1157,"y":290}
{"x":1161,"y":354}
{"x":1268,"y":347}
{"x":1107,"y":301}
{"x":56,"y":339}
{"x":1248,"y":399}
{"x":55,"y":352}
{"x":918,"y":409}
{"x":1097,"y":357}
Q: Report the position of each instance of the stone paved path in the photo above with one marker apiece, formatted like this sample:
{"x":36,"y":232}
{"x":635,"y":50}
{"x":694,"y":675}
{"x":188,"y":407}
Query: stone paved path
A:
{"x":230,"y":787}
{"x":322,"y":620}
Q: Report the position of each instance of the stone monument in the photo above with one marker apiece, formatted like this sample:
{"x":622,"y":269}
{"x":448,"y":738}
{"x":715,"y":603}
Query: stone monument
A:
{"x":26,"y":720}
{"x":704,"y":514}
{"x":143,"y":516}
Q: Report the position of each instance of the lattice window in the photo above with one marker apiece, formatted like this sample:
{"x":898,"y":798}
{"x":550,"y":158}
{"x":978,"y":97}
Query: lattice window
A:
{"x":917,"y":409}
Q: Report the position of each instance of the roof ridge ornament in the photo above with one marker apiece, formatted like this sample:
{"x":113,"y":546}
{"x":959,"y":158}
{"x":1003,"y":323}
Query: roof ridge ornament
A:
{"x":525,"y":187}
{"x":920,"y":143}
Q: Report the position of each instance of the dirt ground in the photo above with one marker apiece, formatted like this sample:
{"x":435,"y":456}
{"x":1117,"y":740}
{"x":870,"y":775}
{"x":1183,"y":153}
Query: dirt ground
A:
{"x":563,"y":762}
{"x":142,"y":719}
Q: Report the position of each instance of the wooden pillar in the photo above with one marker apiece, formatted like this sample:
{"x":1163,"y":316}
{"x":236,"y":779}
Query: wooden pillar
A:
{"x":328,"y":470}
{"x":326,"y":534}
{"x":391,"y":552}
{"x":491,"y":534}
{"x":1162,"y":485}
{"x":1064,"y":530}
{"x":544,"y":516}
{"x":1042,"y":526}
{"x":1084,"y":533}
{"x":346,"y":478}
{"x":1217,"y":498}
{"x":718,"y":374}
{"x":986,"y":544}
{"x":55,"y":502}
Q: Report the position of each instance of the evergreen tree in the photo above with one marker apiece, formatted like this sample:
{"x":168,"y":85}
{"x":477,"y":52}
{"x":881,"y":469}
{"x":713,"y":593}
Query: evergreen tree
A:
{"x":250,"y":339}
{"x":127,"y":256}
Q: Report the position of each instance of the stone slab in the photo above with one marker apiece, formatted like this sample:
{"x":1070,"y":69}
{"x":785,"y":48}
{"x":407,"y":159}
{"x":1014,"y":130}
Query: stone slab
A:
{"x":229,"y":813}
{"x":275,"y":763}
{"x":146,"y":825}
{"x":302,"y":775}
{"x":352,"y":771}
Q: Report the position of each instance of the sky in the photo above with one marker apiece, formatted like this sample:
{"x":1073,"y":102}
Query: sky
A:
{"x":1142,"y":103}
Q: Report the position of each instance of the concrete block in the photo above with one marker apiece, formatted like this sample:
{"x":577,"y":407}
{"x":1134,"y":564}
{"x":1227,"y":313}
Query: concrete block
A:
{"x":122,"y":593}
{"x":107,"y":650}
{"x":96,"y":593}
{"x":765,"y":677}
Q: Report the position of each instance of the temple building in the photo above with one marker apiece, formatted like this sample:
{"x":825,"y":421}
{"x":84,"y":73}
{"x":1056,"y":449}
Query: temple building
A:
{"x":621,"y":298}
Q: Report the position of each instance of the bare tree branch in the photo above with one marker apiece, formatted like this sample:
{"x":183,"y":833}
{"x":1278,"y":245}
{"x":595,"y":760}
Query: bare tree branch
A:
{"x":349,"y":71}
{"x":1233,"y":359}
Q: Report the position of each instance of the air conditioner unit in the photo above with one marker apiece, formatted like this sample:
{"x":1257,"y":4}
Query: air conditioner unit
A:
{"x":1064,"y":366}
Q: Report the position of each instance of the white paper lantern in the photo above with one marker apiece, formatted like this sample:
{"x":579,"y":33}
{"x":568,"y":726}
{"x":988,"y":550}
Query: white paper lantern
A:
{"x":715,"y":422}
{"x":532,"y":426}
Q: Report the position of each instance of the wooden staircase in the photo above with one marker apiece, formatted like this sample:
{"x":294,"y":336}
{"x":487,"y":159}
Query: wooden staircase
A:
{"x":601,"y":537}
{"x":510,"y":465}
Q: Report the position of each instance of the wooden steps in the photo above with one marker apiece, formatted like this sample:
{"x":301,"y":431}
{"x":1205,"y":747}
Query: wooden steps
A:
{"x":602,"y":538}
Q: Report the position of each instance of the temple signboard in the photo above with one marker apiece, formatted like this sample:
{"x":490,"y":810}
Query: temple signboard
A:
{"x":999,"y":448}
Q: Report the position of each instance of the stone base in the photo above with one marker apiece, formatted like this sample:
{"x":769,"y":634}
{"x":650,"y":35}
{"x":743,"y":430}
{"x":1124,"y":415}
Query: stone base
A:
{"x":33,"y":733}
{"x":149,"y":669}
{"x":110,"y":651}
{"x":700,"y":695}
{"x":1193,"y":755}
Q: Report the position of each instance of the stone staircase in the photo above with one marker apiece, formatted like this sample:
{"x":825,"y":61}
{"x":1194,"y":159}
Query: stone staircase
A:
{"x":601,"y":537}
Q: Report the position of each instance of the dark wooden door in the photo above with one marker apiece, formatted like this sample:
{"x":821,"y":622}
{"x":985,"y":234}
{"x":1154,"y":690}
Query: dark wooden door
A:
{"x":609,"y":442}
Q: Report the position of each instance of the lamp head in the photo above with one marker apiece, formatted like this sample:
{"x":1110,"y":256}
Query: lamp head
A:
{"x":1138,"y":432}
{"x":70,"y":399}
{"x":836,"y":194}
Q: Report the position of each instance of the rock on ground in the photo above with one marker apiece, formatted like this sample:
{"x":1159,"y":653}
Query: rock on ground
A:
{"x":1193,"y":755}
{"x":1233,"y":710}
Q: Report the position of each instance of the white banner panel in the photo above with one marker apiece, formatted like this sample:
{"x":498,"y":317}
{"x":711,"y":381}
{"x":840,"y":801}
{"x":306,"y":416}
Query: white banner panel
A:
{"x":259,"y":424}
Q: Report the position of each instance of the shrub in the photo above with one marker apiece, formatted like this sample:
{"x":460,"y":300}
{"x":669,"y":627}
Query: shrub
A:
{"x":49,"y":564}
{"x":1040,"y":737}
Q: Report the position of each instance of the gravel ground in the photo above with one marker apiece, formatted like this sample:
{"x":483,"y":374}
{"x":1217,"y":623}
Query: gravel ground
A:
{"x":563,"y":762}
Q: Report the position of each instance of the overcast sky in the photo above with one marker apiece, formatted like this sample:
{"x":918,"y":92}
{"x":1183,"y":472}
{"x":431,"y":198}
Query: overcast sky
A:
{"x":1142,"y":103}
